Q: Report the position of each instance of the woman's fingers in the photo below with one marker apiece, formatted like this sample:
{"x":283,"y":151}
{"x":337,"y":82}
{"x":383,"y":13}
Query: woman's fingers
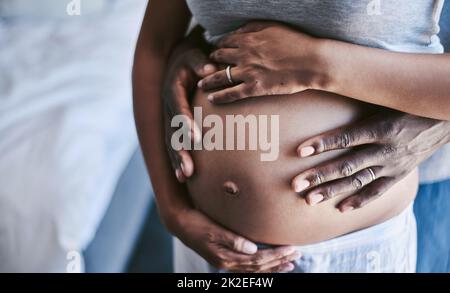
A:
{"x":339,"y":168}
{"x":346,"y":185}
{"x":220,"y":80}
{"x":225,"y":56}
{"x":367,"y":194}
{"x":229,"y":95}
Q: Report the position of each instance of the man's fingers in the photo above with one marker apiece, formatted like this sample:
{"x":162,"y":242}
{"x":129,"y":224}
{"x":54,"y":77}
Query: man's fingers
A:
{"x":342,"y":138}
{"x":366,"y":195}
{"x":342,"y":167}
{"x":220,"y":79}
{"x":347,"y":185}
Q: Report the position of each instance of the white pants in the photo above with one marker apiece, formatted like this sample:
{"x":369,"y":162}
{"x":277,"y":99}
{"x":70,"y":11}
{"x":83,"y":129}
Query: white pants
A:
{"x":387,"y":247}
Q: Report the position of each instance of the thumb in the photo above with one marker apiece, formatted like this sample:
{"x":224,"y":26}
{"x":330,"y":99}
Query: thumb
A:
{"x":238,"y":243}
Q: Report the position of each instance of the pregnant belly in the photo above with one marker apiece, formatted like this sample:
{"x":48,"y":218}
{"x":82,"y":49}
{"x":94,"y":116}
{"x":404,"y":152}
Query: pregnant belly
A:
{"x":252,"y":196}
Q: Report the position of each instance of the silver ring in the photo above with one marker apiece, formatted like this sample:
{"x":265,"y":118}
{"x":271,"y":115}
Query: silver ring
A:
{"x":372,"y":174}
{"x":228,"y":71}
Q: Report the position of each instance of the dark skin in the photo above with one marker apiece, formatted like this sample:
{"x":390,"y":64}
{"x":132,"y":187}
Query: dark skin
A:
{"x":391,"y":143}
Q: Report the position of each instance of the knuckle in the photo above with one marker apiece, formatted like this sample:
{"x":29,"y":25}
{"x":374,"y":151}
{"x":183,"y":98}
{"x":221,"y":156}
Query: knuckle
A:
{"x":216,"y":77}
{"x":318,"y":178}
{"x":344,"y":140}
{"x":329,"y":192}
{"x":388,"y":127}
{"x":231,"y":95}
{"x":210,"y":237}
{"x":215,"y":54}
{"x":346,"y":169}
{"x":388,"y":151}
{"x":357,"y":183}
{"x":257,"y":260}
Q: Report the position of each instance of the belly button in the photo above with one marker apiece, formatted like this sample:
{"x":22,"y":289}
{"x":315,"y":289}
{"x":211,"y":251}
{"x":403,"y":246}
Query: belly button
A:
{"x":231,"y":188}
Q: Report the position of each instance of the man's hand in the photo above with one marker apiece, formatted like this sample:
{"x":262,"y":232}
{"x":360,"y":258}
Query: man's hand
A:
{"x":225,"y":250}
{"x":387,"y":147}
{"x":187,"y":65}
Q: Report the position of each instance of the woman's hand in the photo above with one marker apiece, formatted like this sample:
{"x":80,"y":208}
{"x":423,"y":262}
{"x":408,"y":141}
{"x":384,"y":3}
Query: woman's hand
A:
{"x":225,"y":250}
{"x":390,"y":145}
{"x":267,"y":59}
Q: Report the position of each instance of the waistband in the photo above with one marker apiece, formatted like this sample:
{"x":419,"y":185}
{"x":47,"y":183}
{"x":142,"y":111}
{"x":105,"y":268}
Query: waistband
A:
{"x":368,"y":236}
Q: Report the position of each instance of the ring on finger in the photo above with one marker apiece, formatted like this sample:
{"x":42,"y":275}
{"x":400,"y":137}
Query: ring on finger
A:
{"x":228,"y":72}
{"x":372,"y":174}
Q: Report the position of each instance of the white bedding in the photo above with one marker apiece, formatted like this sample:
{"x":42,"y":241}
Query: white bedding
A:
{"x":66,"y":128}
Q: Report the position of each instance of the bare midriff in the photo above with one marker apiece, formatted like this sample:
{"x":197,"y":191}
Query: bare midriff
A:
{"x":254,"y":198}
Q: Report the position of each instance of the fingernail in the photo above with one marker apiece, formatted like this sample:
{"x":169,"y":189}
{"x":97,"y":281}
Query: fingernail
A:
{"x":209,"y":67}
{"x":345,"y":209}
{"x":249,"y":248}
{"x":301,"y":185}
{"x":182,"y":168}
{"x":197,"y":134}
{"x":307,"y":151}
{"x":178,"y":174}
{"x":200,"y":83}
{"x":210,"y":98}
{"x":287,"y":268}
{"x":315,"y":198}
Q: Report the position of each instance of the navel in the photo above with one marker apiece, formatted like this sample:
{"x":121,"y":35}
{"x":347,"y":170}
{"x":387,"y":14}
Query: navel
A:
{"x":231,"y":188}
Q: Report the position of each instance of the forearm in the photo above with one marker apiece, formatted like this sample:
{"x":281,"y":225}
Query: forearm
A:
{"x":418,"y":84}
{"x":148,"y":73}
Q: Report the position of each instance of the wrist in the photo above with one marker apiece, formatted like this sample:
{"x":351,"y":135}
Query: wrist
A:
{"x":324,"y":77}
{"x":173,"y":218}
